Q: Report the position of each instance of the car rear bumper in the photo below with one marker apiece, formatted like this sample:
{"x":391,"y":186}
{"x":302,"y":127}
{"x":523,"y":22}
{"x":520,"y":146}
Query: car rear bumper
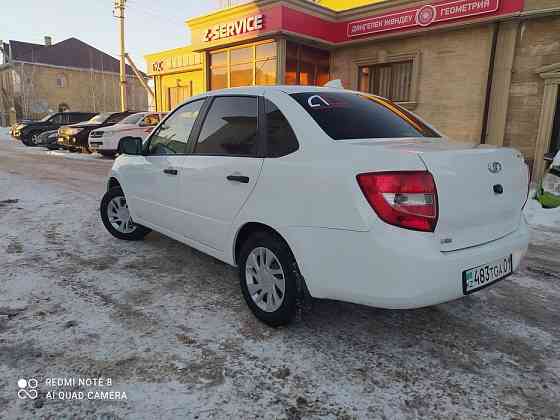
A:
{"x":399,"y":269}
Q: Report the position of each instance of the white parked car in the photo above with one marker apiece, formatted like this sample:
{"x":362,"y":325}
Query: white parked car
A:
{"x":332,"y":192}
{"x":105,"y":140}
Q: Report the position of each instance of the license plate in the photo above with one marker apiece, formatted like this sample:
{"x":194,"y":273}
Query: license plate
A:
{"x":484,"y":275}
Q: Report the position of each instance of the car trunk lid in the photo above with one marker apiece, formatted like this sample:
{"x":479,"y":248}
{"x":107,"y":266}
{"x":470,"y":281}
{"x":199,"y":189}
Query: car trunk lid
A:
{"x":481,"y":191}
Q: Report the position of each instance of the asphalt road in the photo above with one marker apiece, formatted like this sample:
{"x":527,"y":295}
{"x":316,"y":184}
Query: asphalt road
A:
{"x":168,"y":326}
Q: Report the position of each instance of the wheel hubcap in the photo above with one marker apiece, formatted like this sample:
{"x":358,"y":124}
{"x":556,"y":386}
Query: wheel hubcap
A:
{"x":119,"y":216}
{"x":265,"y":279}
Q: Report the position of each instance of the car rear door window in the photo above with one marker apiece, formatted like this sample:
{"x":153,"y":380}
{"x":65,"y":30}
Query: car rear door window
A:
{"x":230,"y":127}
{"x":281,"y":139}
{"x":66,"y":118}
{"x":74,"y":118}
{"x":115,"y":118}
{"x":57,"y":119}
{"x":172,"y":136}
{"x":346,"y":115}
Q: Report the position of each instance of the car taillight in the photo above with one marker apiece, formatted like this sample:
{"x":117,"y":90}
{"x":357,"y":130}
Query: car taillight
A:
{"x":407,"y":199}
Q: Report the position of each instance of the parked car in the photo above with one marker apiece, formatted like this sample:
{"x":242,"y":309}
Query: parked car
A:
{"x":28,"y":130}
{"x":343,"y":194}
{"x":106,"y":140}
{"x":75,"y":137}
{"x":47,"y":139}
{"x":15,"y":128}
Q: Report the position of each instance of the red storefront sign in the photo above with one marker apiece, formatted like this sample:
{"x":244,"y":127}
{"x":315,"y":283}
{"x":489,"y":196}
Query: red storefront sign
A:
{"x":422,"y":16}
{"x":281,"y":18}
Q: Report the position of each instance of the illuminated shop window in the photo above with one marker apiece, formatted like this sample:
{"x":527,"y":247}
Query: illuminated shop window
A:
{"x":247,"y":65}
{"x":390,"y":80}
{"x":306,"y":65}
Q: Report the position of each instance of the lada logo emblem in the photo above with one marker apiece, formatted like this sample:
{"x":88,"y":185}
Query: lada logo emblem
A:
{"x":495,"y":167}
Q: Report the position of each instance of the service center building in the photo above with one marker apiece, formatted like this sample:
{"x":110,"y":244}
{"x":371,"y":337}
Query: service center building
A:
{"x":481,"y":71}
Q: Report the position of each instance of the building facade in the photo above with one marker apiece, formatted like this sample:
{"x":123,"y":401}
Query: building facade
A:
{"x":36,"y":80}
{"x":481,"y":71}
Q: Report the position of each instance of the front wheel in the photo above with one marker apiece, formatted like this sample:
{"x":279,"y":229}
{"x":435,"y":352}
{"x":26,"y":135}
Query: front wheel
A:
{"x":116,"y":217}
{"x":268,"y":275}
{"x":108,"y":154}
{"x":28,"y":140}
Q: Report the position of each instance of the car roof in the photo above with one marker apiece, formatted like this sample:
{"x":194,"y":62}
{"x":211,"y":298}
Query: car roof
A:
{"x":259,"y":90}
{"x":255,"y":90}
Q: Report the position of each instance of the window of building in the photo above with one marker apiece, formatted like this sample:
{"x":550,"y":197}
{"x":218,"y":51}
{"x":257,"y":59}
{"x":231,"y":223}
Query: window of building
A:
{"x":281,"y":139}
{"x":390,"y":80}
{"x":172,"y":136}
{"x":230,"y":127}
{"x":61,"y":81}
{"x":178,"y":94}
{"x":248,"y":65}
{"x":306,"y":65}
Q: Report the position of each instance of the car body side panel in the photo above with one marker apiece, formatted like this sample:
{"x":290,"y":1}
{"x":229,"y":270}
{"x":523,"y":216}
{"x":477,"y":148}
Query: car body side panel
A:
{"x":316,"y":185}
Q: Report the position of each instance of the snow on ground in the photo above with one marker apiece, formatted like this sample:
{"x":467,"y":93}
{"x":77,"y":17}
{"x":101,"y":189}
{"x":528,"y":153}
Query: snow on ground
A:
{"x":79,"y":156}
{"x":537,"y":215}
{"x":168,"y":325}
{"x":17,"y":145}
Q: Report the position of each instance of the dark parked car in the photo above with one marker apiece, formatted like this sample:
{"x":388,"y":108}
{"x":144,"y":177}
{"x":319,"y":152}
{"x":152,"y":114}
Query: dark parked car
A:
{"x":47,"y":139}
{"x":27,"y":130}
{"x":75,"y":137}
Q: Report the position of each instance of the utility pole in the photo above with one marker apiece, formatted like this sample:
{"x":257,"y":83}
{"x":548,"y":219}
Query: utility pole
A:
{"x":119,"y":13}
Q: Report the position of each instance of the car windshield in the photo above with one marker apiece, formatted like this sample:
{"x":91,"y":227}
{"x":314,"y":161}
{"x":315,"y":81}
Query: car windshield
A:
{"x":45,"y":119}
{"x":348,"y":115}
{"x":100,"y":118}
{"x":132,"y":119}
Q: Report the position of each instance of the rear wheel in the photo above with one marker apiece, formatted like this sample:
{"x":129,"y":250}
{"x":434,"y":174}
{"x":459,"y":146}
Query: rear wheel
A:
{"x":267,"y":272}
{"x":116,"y":217}
{"x":106,"y":154}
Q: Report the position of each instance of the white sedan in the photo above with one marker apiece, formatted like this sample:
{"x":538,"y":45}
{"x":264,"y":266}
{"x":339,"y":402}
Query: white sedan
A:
{"x":106,"y":140}
{"x":324,"y":192}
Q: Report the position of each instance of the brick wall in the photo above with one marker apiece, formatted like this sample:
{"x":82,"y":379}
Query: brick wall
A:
{"x":538,"y":45}
{"x":82,"y":91}
{"x":452,"y":75}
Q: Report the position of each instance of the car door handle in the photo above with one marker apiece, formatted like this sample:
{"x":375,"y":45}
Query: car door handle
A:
{"x":170,"y":171}
{"x":238,"y":178}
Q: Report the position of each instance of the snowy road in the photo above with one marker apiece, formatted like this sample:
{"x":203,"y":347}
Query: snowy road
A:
{"x":168,"y":325}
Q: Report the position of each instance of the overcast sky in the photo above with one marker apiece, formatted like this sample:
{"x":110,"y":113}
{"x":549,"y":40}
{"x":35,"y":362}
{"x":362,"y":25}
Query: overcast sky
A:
{"x":152,"y":25}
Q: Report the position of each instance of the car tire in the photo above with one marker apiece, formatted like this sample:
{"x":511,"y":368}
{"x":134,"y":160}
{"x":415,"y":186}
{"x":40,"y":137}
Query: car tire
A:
{"x":114,"y":212}
{"x":281,"y":257}
{"x":28,"y":140}
{"x":107,"y":154}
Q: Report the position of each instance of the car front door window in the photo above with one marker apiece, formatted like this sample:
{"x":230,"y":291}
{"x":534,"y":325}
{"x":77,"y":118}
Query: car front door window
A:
{"x":172,"y":136}
{"x":230,"y":127}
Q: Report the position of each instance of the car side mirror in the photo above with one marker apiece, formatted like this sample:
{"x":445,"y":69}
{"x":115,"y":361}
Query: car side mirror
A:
{"x":130,"y":146}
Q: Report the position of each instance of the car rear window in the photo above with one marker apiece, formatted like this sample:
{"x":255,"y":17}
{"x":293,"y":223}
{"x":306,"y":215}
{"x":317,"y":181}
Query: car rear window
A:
{"x":132,"y":119}
{"x":346,"y":116}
